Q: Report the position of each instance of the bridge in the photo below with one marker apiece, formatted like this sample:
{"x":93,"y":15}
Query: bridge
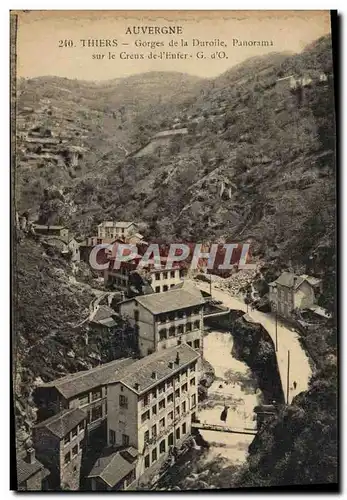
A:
{"x":224,"y":428}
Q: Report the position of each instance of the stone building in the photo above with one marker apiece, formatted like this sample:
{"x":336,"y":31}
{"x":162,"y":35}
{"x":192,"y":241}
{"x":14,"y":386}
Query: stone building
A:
{"x":59,"y":443}
{"x":166,"y":319}
{"x":31,"y":473}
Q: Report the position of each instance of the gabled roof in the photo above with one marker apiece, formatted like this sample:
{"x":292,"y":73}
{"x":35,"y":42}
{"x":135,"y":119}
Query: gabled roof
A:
{"x":63,"y":422}
{"x":77,"y":383}
{"x":289,"y":280}
{"x":25,"y":469}
{"x":123,"y":224}
{"x":106,"y":223}
{"x":47,"y":227}
{"x":112,"y":466}
{"x":189,"y":286}
{"x":103,"y":312}
{"x":171,"y":300}
{"x":141,"y":371}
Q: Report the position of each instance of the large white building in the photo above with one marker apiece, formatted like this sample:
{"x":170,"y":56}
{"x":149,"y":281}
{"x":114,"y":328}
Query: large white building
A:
{"x":112,"y":230}
{"x":151,"y":405}
{"x":166,"y":319}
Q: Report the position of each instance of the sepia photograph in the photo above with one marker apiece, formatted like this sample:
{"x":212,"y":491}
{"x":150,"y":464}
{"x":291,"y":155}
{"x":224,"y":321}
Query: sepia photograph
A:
{"x":173,"y":241}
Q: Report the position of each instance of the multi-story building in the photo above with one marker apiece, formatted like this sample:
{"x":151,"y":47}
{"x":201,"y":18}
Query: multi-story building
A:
{"x":166,"y":319}
{"x":59,"y":443}
{"x":47,"y":230}
{"x":291,"y":292}
{"x":111,"y":229}
{"x":151,"y":406}
{"x":85,"y":389}
{"x":31,"y":473}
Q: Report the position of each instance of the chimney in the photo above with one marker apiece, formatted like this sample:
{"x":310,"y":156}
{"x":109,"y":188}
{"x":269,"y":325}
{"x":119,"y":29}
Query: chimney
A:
{"x":136,"y":386}
{"x":177,"y":359}
{"x":31,"y":455}
{"x":171,"y":364}
{"x":154,"y":375}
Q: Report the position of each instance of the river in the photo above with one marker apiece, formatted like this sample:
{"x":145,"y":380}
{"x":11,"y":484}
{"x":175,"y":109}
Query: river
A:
{"x":234,"y":386}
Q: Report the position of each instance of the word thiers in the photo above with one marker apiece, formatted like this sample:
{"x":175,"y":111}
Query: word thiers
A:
{"x":177,"y":252}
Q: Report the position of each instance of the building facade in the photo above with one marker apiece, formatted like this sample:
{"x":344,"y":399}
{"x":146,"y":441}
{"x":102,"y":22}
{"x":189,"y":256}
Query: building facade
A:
{"x":59,"y":443}
{"x":165,"y":320}
{"x":31,"y":473}
{"x":290,"y":292}
{"x":113,"y":230}
{"x":152,"y":404}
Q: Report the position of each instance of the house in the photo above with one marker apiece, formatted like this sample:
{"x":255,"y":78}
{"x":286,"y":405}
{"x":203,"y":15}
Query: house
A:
{"x":86,"y":390}
{"x":103,"y":319}
{"x":151,"y":406}
{"x":31,"y":474}
{"x":47,"y":230}
{"x":165,"y":319}
{"x":68,"y":246}
{"x":114,"y":470}
{"x":291,"y":292}
{"x":59,"y":443}
{"x":111,"y":229}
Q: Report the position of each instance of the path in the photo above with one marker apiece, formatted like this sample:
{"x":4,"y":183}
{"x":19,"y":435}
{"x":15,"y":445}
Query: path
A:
{"x":288,"y":339}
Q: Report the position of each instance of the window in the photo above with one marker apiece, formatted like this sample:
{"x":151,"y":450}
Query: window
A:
{"x":157,"y":276}
{"x":161,"y":388}
{"x":177,"y":393}
{"x":192,"y":368}
{"x":190,"y":344}
{"x":162,"y":446}
{"x":96,"y":395}
{"x":177,"y":378}
{"x":193,"y":400}
{"x":196,"y":324}
{"x":184,"y":374}
{"x":74,"y":432}
{"x":146,"y":461}
{"x":154,"y":409}
{"x":83,"y":400}
{"x":184,"y":407}
{"x":146,"y":437}
{"x":172,"y":330}
{"x":112,"y":436}
{"x":177,"y":433}
{"x":162,"y":334}
{"x":162,"y":423}
{"x":184,"y":429}
{"x":154,"y":393}
{"x":125,"y":440}
{"x":136,"y":315}
{"x":165,"y":276}
{"x":67,"y":439}
{"x":145,"y":401}
{"x":196,"y":344}
{"x":177,"y":411}
{"x":96,"y":413}
{"x":170,"y":416}
{"x":185,"y":387}
{"x":180,"y":329}
{"x":192,"y":381}
{"x":123,"y":401}
{"x":172,"y":274}
{"x":67,"y":458}
{"x":169,"y":383}
{"x":171,"y":286}
{"x":157,"y":289}
{"x":74,"y":450}
{"x":161,"y":404}
{"x":154,"y":455}
{"x":80,"y":427}
{"x":170,"y":399}
{"x":165,"y":288}
{"x":188,"y":327}
{"x":170,"y":440}
{"x":154,"y":431}
{"x":145,"y":416}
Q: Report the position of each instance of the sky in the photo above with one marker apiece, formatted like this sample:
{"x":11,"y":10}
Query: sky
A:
{"x":40,"y":33}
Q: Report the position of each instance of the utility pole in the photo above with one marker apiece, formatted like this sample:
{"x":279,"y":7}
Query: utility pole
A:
{"x":276,"y":331}
{"x":288,"y":377}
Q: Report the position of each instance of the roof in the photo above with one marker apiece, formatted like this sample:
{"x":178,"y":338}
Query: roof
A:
{"x":109,"y":322}
{"x":123,"y":224}
{"x":82,"y":381}
{"x":313,"y":281}
{"x":47,"y":227}
{"x":103,"y":312}
{"x":189,"y":286}
{"x":106,"y":223}
{"x":63,"y":422}
{"x":171,"y":300}
{"x":141,"y":371}
{"x":289,"y":280}
{"x":112,"y":467}
{"x":25,"y":469}
{"x":320,"y":311}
